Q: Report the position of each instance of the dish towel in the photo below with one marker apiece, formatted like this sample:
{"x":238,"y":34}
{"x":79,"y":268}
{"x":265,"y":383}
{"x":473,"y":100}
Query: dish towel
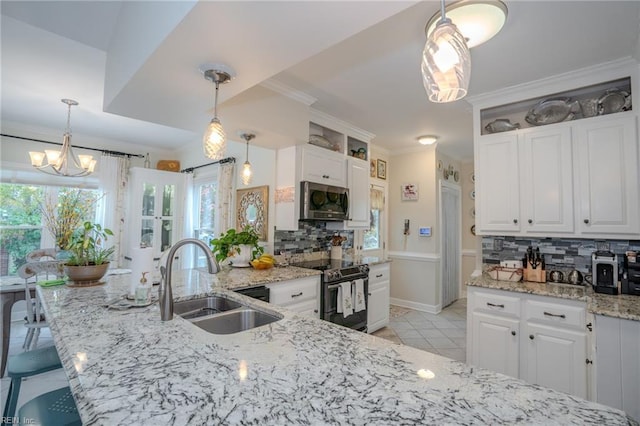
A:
{"x":51,"y":283}
{"x":345,"y":301}
{"x":359,"y":300}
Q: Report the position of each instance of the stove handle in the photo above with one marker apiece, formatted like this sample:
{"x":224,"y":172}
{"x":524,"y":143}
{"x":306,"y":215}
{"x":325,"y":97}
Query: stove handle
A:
{"x":333,"y":286}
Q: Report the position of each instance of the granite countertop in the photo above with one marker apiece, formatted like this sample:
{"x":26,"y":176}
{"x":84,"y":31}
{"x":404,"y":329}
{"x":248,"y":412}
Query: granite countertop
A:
{"x":129,"y":367}
{"x":620,"y":306}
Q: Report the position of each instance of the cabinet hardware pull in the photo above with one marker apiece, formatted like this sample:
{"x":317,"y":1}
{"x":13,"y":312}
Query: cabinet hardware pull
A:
{"x":531,"y":336}
{"x":586,"y":221}
{"x":530,"y":221}
{"x":589,"y":361}
{"x":297,"y":295}
{"x":495,"y":306}
{"x":379,"y":276}
{"x":315,"y":311}
{"x":515,"y":221}
{"x":513,"y":333}
{"x":369,"y":294}
{"x":589,"y":327}
{"x":549,"y":314}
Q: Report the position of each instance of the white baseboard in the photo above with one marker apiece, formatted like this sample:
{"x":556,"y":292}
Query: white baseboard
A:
{"x":432,"y":309}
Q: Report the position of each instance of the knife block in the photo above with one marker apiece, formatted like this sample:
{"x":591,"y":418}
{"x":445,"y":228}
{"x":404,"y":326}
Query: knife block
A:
{"x":537,"y":275}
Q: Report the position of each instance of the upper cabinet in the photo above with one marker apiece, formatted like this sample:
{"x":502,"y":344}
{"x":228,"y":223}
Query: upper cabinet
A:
{"x":335,"y":154}
{"x":564,"y":164}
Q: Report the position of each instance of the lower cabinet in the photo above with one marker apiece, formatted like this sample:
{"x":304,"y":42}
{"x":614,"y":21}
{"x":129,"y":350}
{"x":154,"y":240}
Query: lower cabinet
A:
{"x":542,"y":340}
{"x":301,"y":295}
{"x":378,"y":308}
{"x":618,"y":364}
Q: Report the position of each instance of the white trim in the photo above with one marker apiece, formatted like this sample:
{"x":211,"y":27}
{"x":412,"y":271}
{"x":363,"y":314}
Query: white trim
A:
{"x":412,"y":255}
{"x":469,"y":252}
{"x":457,"y":190}
{"x":423,"y":307}
{"x":578,"y":78}
{"x":350,"y":128}
{"x":288,"y":91}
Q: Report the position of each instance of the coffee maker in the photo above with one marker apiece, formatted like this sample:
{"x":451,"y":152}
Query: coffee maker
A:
{"x":631,"y":276}
{"x":605,"y":272}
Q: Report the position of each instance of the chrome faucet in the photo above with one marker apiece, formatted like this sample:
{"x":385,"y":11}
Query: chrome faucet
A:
{"x":166,"y":295}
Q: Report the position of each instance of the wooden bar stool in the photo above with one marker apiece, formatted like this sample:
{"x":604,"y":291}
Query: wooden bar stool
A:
{"x":27,"y":364}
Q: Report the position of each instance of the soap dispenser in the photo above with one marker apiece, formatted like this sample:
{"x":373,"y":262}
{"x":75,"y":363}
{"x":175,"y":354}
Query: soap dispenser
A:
{"x":143,"y":291}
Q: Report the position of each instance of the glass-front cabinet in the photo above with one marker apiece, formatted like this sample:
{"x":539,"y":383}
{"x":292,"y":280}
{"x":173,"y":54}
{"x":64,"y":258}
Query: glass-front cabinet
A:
{"x":155,"y":214}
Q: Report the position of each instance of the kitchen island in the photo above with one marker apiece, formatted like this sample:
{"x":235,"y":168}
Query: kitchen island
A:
{"x":129,"y":367}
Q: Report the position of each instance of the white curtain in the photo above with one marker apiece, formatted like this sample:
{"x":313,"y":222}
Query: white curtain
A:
{"x":111,"y":209}
{"x":377,"y":199}
{"x":187,"y":227}
{"x":225,"y":217}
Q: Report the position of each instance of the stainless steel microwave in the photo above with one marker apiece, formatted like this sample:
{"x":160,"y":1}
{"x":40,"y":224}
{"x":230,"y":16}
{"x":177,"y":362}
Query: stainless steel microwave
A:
{"x":323,"y":202}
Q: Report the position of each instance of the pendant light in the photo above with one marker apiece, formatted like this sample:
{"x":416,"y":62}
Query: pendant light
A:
{"x":247,"y":173}
{"x":214,"y":141}
{"x":446,"y":62}
{"x":65,"y":162}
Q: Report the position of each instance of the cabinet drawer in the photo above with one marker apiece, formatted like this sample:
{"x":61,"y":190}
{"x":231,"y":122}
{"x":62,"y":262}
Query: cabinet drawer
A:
{"x":556,"y":313}
{"x":296,"y":291}
{"x":496,"y":303}
{"x":379,"y":273}
{"x":308,"y":308}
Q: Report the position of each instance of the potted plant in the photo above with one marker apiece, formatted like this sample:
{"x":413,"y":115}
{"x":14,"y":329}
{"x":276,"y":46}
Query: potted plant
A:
{"x":238,"y":247}
{"x":88,"y":260}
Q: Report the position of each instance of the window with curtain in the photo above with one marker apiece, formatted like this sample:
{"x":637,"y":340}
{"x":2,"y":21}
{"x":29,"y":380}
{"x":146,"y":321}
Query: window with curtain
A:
{"x":205,"y":194}
{"x":22,"y":224}
{"x":373,"y":236}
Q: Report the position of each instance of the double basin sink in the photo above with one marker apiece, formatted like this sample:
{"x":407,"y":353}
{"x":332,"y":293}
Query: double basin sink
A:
{"x":219,"y":315}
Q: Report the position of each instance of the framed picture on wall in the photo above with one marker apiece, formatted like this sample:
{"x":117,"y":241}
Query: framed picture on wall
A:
{"x":372,"y":168}
{"x":409,"y":192}
{"x":381,"y":167}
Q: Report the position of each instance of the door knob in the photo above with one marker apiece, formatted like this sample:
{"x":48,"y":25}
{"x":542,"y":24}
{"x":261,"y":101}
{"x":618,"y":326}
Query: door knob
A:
{"x":531,"y":337}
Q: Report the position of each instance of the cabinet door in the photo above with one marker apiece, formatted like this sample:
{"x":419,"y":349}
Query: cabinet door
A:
{"x":323,"y":167}
{"x":494,"y":343}
{"x":358,"y":180}
{"x":307,"y":309}
{"x":378,"y":307}
{"x":497,"y":192}
{"x":547,"y":180}
{"x":607,"y":178}
{"x":556,"y":358}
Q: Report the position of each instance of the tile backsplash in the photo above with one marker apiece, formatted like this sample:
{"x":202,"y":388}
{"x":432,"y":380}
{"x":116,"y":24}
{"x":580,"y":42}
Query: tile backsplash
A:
{"x":310,"y":237}
{"x":559,"y":253}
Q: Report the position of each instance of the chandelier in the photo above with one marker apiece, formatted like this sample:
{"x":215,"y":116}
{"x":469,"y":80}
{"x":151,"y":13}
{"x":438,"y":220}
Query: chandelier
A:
{"x":247,"y":173}
{"x":214,"y":141}
{"x":65,"y":162}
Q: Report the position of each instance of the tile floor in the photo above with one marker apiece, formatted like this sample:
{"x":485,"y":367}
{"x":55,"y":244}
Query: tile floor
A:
{"x":444,"y":334}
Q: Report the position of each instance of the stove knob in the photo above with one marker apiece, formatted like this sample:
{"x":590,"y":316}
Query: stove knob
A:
{"x":364,"y":269}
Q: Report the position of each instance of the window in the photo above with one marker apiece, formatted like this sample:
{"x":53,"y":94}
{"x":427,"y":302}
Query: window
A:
{"x":372,"y":238}
{"x":22,"y":227}
{"x":204,"y":212}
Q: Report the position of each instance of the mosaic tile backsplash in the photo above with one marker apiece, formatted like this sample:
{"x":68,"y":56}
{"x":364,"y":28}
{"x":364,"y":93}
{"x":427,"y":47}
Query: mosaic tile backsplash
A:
{"x":559,"y":253}
{"x":310,"y":237}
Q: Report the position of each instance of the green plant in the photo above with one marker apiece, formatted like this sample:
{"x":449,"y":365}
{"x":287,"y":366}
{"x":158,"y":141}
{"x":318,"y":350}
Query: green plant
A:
{"x":227,"y":244}
{"x":86,"y":243}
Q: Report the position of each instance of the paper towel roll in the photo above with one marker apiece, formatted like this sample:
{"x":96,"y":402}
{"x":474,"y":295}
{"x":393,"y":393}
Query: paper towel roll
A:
{"x":141,"y":261}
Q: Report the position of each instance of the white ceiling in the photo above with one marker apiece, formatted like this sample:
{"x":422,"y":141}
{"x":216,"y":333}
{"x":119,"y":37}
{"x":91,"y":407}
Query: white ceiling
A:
{"x":360,"y":60}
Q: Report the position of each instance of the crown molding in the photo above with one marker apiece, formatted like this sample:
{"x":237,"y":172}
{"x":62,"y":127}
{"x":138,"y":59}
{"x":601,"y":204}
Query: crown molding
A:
{"x":288,"y":91}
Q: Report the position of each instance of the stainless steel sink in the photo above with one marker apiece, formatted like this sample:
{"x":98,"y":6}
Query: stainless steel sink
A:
{"x":235,"y":321}
{"x":196,"y":308}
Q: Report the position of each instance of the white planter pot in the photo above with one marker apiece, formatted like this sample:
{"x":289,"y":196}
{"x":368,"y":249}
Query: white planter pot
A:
{"x":242,"y":257}
{"x":336,"y":252}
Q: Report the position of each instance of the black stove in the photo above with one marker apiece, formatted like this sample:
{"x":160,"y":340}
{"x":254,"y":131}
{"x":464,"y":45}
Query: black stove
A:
{"x":324,"y":264}
{"x":336,"y":270}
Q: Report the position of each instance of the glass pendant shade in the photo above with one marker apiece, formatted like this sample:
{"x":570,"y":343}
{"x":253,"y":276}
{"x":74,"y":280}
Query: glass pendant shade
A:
{"x":446,"y":64}
{"x":247,"y":173}
{"x":64,"y":162}
{"x":214,"y":141}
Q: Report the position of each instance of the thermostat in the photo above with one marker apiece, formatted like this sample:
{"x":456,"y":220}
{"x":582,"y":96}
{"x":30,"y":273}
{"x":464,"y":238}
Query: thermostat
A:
{"x":425,"y":231}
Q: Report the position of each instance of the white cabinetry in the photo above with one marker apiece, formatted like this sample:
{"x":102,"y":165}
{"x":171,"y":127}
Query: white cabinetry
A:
{"x":618,"y":364}
{"x":322,"y":166}
{"x":155,"y":209}
{"x":539,"y":339}
{"x":301,"y":295}
{"x":606,"y":149}
{"x":359,"y":200}
{"x":378,"y":307}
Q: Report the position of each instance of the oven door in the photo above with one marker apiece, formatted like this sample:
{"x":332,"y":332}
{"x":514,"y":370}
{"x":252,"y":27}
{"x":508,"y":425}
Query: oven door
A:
{"x":356,"y":321}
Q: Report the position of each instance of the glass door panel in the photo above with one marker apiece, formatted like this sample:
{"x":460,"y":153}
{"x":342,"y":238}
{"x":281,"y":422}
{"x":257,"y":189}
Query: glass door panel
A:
{"x":148,"y":199}
{"x":146,"y":237}
{"x":165,"y":232}
{"x":168,"y":195}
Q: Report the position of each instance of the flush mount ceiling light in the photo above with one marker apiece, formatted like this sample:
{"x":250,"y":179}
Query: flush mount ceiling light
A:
{"x":65,"y":162}
{"x":247,"y":173}
{"x":427,"y":139}
{"x":214,"y":141}
{"x":477,"y":20}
